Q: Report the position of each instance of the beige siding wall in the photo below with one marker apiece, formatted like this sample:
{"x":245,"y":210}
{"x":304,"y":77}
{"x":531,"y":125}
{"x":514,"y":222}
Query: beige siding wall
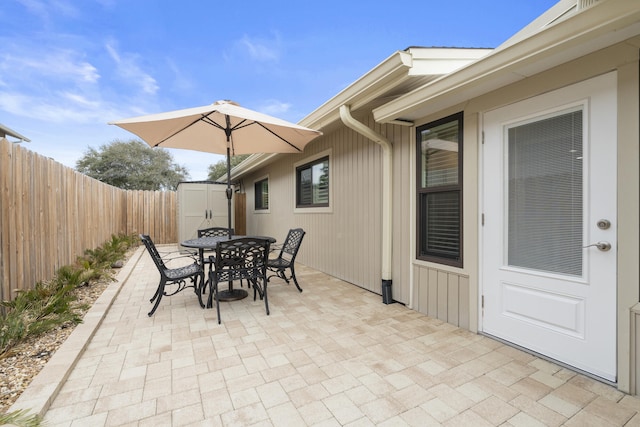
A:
{"x":441,"y":294}
{"x":403,"y":204}
{"x":345,"y":242}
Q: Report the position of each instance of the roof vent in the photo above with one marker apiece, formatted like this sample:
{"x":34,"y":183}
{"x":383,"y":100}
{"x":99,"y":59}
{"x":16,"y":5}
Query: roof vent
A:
{"x":585,"y":4}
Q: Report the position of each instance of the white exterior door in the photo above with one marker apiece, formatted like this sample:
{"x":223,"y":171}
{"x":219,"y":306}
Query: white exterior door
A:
{"x":549,"y":236}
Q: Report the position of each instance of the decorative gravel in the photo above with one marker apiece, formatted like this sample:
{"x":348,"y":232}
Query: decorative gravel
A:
{"x":28,"y":358}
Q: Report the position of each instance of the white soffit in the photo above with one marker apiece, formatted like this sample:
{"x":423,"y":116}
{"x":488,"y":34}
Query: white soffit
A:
{"x":604,"y":23}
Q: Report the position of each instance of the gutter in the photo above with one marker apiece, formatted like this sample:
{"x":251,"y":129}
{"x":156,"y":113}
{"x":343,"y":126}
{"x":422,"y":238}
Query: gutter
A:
{"x":387,"y":211}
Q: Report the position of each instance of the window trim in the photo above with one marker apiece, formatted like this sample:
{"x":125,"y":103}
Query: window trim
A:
{"x":441,"y":189}
{"x":255,"y":208}
{"x":306,"y":161}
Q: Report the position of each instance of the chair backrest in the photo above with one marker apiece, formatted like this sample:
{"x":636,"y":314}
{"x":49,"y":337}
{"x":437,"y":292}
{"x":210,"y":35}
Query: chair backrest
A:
{"x":241,"y":258}
{"x":155,"y":255}
{"x":292,"y":244}
{"x":214,"y":231}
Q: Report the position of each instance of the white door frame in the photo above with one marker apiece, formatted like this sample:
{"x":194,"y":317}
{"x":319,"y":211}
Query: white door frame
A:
{"x":552,"y":100}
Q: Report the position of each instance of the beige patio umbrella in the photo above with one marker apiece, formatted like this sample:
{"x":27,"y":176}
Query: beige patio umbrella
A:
{"x":223,"y":127}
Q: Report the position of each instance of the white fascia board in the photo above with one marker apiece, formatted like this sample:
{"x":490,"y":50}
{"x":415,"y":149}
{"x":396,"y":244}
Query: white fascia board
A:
{"x":606,"y":23}
{"x":439,"y":61}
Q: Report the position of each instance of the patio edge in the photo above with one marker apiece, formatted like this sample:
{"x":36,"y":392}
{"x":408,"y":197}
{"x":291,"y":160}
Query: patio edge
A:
{"x":40,"y":393}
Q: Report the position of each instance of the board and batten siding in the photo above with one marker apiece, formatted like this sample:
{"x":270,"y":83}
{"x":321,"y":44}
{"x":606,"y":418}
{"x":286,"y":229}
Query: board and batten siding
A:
{"x":345,"y":242}
{"x":442,"y":294}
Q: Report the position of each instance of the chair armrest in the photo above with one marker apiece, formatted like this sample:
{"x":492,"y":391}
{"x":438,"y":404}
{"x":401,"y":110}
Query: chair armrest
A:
{"x":167,"y":260}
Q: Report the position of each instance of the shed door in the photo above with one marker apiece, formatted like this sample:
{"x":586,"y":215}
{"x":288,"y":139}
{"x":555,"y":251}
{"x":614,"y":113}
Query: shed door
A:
{"x":549,"y":238}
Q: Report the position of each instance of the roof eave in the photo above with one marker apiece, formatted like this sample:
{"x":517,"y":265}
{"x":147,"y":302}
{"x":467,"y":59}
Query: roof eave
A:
{"x":401,"y":66}
{"x":251,"y":163}
{"x":4,"y":131}
{"x":396,"y":67}
{"x":601,"y":25}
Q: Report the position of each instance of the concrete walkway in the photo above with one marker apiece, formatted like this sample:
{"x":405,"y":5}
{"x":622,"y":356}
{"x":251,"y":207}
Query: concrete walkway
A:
{"x":334,"y":355}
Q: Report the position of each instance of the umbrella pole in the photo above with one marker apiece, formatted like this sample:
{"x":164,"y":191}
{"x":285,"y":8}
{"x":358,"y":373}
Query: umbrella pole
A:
{"x":229,"y":190}
{"x":230,"y":294}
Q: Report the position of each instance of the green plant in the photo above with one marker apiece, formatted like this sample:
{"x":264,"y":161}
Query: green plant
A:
{"x":109,"y":252}
{"x":52,"y":304}
{"x":35,"y":312}
{"x":20,"y":418}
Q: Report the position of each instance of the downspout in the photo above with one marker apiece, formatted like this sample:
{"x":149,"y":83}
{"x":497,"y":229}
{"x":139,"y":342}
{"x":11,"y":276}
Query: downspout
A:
{"x":387,"y":211}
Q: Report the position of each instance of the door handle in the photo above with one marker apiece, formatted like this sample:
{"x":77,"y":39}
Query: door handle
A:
{"x":603,"y":246}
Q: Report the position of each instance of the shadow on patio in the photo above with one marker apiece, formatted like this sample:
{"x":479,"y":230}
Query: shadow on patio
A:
{"x":332,"y":355}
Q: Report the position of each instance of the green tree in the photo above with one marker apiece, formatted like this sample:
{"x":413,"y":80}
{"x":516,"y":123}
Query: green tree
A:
{"x":132,"y":165}
{"x":218,"y":171}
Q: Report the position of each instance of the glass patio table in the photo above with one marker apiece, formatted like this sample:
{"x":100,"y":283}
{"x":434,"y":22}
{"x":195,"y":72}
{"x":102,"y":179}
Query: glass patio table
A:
{"x":210,"y":243}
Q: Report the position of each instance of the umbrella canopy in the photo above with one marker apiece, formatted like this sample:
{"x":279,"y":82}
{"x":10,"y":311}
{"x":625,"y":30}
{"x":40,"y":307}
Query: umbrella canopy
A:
{"x":223,"y":127}
{"x":216,"y":127}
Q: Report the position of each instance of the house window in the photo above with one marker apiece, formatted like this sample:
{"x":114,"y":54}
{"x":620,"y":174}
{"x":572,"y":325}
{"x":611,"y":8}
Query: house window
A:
{"x":439,"y":191}
{"x":261,"y":194}
{"x":312,"y":184}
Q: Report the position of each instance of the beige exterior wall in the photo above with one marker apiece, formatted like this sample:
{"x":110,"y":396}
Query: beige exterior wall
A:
{"x":345,"y":242}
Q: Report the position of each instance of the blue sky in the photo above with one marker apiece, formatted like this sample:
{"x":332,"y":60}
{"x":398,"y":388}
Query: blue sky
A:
{"x":67,"y":67}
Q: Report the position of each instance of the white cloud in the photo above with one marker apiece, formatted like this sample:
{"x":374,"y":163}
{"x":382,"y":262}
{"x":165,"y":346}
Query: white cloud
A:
{"x":45,"y":9}
{"x":129,"y":70}
{"x":53,"y":110}
{"x":59,"y":64}
{"x":275,"y":108}
{"x":36,"y":7}
{"x":261,"y":49}
{"x":81,"y":100}
{"x":180,"y":81}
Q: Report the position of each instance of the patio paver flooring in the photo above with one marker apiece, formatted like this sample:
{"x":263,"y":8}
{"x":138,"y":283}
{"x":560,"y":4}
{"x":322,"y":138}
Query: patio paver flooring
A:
{"x":333,"y":355}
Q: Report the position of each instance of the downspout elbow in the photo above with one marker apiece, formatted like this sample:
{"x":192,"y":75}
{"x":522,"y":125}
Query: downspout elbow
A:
{"x":350,"y":122}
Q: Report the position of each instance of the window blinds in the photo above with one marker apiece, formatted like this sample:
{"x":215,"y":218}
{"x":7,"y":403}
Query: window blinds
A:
{"x":545,"y":194}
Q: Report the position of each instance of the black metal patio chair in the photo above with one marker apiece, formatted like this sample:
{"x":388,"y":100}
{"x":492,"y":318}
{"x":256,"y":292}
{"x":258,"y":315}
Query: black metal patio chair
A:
{"x":213,"y":232}
{"x":173,"y":276}
{"x":243,"y":258}
{"x":287,"y":257}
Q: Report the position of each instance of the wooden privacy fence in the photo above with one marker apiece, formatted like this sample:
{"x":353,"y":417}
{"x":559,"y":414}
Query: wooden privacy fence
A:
{"x":51,"y":214}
